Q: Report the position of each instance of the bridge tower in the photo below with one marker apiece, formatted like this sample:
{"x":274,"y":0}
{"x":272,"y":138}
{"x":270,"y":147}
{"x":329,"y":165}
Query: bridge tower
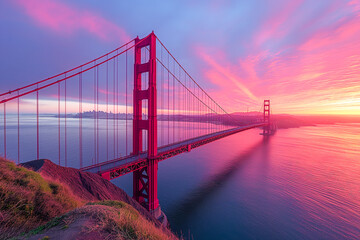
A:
{"x":267,"y":128}
{"x":145,"y":179}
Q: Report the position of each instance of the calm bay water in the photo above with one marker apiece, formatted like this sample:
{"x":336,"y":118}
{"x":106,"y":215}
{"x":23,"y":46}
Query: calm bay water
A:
{"x":302,"y":183}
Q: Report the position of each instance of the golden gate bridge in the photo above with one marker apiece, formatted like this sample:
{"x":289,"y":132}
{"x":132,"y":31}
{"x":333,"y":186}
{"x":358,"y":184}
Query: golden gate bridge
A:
{"x":120,"y":113}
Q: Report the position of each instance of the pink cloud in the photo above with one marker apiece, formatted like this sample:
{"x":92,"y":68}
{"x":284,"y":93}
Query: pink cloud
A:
{"x":331,"y":36}
{"x":228,"y":75}
{"x":355,"y":4}
{"x":275,"y":25}
{"x":320,"y":75}
{"x":65,"y":19}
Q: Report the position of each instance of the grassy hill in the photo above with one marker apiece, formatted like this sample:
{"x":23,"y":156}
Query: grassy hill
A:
{"x":46,"y":207}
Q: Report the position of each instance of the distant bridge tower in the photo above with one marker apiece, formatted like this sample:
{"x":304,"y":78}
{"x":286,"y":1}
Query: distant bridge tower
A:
{"x":145,"y":179}
{"x":267,"y":127}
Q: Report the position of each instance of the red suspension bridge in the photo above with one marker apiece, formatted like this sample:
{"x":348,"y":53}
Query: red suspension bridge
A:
{"x":120,"y":113}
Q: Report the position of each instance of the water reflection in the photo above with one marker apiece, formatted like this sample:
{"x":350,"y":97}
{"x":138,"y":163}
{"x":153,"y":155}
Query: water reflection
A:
{"x":184,"y":209}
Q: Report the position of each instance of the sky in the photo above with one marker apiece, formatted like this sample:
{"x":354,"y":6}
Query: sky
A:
{"x":303,"y":55}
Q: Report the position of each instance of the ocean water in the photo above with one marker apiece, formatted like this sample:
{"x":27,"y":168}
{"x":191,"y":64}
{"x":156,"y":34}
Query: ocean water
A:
{"x":301,"y":183}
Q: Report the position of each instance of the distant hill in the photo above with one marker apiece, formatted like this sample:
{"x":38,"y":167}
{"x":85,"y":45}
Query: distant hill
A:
{"x":291,"y":121}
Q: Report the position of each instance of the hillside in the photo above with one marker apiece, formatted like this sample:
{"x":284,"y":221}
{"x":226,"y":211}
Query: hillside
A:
{"x":73,"y":202}
{"x":100,"y":220}
{"x":85,"y":185}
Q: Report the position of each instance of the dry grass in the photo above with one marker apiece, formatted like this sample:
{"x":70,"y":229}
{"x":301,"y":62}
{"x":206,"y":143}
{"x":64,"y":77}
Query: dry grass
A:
{"x":102,"y":220}
{"x":27,"y":200}
{"x":32,"y":204}
{"x":119,"y":220}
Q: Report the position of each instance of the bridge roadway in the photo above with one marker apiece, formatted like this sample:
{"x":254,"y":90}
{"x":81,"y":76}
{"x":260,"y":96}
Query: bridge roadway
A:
{"x":117,"y":167}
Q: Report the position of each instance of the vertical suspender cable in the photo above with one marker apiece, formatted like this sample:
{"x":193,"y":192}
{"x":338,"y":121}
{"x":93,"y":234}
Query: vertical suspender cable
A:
{"x":18,"y":125}
{"x":178,"y":108}
{"x":174,"y":106}
{"x":185,"y":108}
{"x":114,"y":108}
{"x":5,"y":130}
{"x":169,"y":86}
{"x":162,"y":100}
{"x":65,"y":125}
{"x":59,"y":139}
{"x":94,"y":114}
{"x":37,"y":125}
{"x":107,"y":108}
{"x":80,"y":120}
{"x":126,"y":101}
{"x":117,"y":107}
{"x":97,"y":114}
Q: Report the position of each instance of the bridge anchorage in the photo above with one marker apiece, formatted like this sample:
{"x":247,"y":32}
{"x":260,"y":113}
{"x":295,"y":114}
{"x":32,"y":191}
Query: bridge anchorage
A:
{"x":169,"y":114}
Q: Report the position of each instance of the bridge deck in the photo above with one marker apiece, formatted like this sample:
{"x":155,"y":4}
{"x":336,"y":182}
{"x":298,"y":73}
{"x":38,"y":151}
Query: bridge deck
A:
{"x":121,"y":166}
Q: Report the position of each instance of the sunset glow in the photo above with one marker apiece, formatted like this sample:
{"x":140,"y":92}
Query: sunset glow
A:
{"x":302,"y":55}
{"x":205,"y":119}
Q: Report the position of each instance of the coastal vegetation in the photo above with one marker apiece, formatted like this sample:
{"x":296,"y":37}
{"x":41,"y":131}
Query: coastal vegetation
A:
{"x":34,"y":205}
